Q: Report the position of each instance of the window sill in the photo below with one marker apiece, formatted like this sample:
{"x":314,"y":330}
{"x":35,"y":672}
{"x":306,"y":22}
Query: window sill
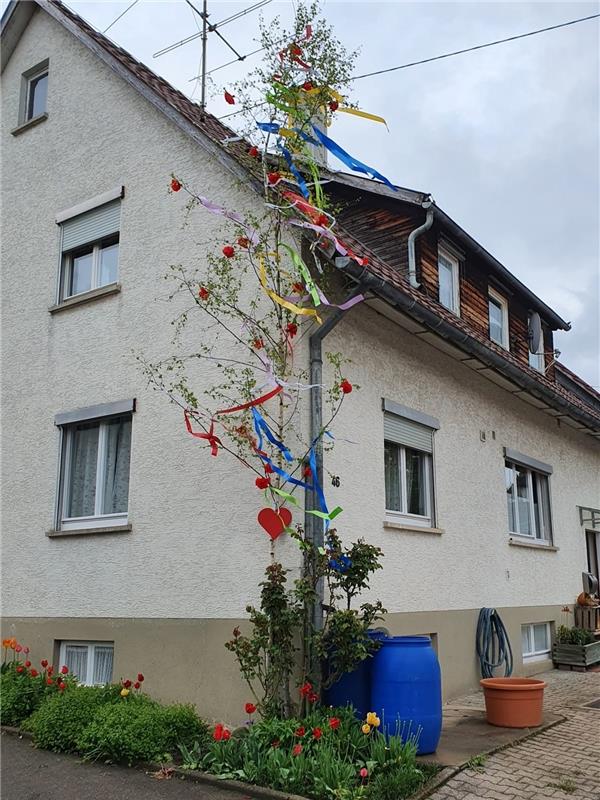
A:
{"x":86,"y":297}
{"x":31,"y":123}
{"x":89,"y":531}
{"x":516,"y":542}
{"x":402,"y":526}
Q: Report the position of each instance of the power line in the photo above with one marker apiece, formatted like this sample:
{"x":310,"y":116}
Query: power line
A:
{"x":444,"y":55}
{"x":476,"y":47}
{"x":120,"y":15}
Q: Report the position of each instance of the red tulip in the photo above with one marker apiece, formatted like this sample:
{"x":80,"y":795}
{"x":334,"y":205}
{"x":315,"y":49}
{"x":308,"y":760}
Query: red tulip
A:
{"x":226,"y":735}
{"x":137,"y":685}
{"x":228,"y":251}
{"x":306,"y":689}
{"x":253,"y":152}
{"x":313,"y":697}
{"x":334,"y":723}
{"x":364,"y":772}
{"x":44,"y":663}
{"x":50,"y":670}
{"x":346,"y":386}
{"x":140,"y":677}
{"x":261,"y":483}
{"x":62,"y":686}
{"x":275,"y":743}
{"x":20,"y":668}
{"x":297,"y":749}
{"x":34,"y":673}
{"x":250,"y":708}
{"x":49,"y":682}
{"x":229,"y":98}
{"x":299,"y":732}
{"x":317,"y":733}
{"x":218,"y":732}
{"x":28,"y":663}
{"x":203,"y":293}
{"x":64,"y":670}
{"x":18,"y":648}
{"x":175,"y":185}
{"x":273,"y":178}
{"x":25,"y":650}
{"x":127,"y":684}
{"x":292,"y":329}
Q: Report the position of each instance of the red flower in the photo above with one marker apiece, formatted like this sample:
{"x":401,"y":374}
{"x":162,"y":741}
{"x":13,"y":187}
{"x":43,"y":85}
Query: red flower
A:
{"x":218,"y":732}
{"x":50,"y":670}
{"x":334,"y":723}
{"x":364,"y":772}
{"x":312,"y":697}
{"x":334,"y":105}
{"x":307,"y":86}
{"x":140,"y":677}
{"x":275,"y":743}
{"x":18,"y":648}
{"x":292,"y":329}
{"x":262,"y":483}
{"x":25,"y":650}
{"x":226,"y":735}
{"x":20,"y":668}
{"x":297,"y":749}
{"x":305,"y":689}
{"x":49,"y":682}
{"x":258,"y":343}
{"x":175,"y":185}
{"x":243,"y":242}
{"x":228,"y":251}
{"x":253,"y":152}
{"x":62,"y":686}
{"x":34,"y":673}
{"x":299,"y":732}
{"x":250,"y":708}
{"x":273,"y":178}
{"x":64,"y":670}
{"x":44,"y":663}
{"x":28,"y":663}
{"x":229,"y":98}
{"x":127,"y":684}
{"x":137,"y":685}
{"x":203,"y":293}
{"x":346,"y":386}
{"x":317,"y":733}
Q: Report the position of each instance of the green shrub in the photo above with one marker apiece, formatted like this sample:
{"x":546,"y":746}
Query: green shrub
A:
{"x":398,"y":782}
{"x":61,"y":718}
{"x":565,"y":635}
{"x":20,"y":695}
{"x":139,"y":730}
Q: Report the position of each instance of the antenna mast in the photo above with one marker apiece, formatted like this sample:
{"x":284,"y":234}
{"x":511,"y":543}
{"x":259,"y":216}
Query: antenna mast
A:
{"x":204,"y":44}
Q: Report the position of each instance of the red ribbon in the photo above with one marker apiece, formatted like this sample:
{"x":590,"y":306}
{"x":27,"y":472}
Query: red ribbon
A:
{"x":213,"y":440}
{"x":256,"y":402}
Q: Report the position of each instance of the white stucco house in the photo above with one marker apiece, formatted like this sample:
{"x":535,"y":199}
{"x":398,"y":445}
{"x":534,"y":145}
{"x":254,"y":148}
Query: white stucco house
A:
{"x":476,"y":463}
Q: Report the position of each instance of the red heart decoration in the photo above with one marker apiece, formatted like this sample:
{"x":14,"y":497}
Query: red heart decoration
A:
{"x":273,"y":522}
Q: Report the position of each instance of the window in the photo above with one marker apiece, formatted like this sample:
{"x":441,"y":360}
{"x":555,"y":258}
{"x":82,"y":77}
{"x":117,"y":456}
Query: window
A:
{"x":528,"y":497}
{"x":94,"y":478}
{"x":408,"y":453}
{"x":536,"y":360}
{"x":592,"y":548}
{"x":90,"y":248}
{"x":90,"y":662}
{"x":448,"y":273}
{"x":34,"y":92}
{"x":498,"y":313}
{"x":535,"y":641}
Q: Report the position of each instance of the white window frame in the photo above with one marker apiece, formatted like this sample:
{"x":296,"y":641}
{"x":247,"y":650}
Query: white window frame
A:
{"x":392,"y":515}
{"x":544,"y":535}
{"x":536,"y":655}
{"x":91,"y":658}
{"x":502,"y":302}
{"x":538,"y":360}
{"x":455,"y":266}
{"x":67,"y":266}
{"x":28,"y":77}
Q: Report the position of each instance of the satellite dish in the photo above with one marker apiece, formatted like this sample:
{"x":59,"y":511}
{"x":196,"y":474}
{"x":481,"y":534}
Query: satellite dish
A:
{"x":590,"y":583}
{"x":535,"y":332}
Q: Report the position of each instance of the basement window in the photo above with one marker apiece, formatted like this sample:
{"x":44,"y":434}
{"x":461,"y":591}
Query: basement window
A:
{"x":90,"y":662}
{"x":535,"y":641}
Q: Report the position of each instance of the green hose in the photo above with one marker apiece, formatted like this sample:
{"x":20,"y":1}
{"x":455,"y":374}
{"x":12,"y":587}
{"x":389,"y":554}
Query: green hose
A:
{"x":493,"y":644}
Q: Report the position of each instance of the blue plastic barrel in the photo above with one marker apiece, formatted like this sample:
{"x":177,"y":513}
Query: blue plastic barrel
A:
{"x":354,"y":688}
{"x":406,"y":690}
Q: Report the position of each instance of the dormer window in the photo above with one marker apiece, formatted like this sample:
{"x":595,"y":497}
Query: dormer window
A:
{"x":537,"y":361}
{"x":498,"y":316}
{"x":448,"y":276}
{"x":37,"y":93}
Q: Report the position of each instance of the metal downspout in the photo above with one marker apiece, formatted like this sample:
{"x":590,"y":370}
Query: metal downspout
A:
{"x":412,"y":257}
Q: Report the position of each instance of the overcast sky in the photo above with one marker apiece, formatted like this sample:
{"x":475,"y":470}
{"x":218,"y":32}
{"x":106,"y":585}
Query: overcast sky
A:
{"x":506,"y":139}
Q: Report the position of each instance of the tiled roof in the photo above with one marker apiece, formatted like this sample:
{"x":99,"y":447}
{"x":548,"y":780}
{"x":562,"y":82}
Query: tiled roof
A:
{"x":217,"y":132}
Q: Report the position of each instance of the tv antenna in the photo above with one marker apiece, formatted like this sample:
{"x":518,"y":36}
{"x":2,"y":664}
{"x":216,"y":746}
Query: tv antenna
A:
{"x":207,"y":28}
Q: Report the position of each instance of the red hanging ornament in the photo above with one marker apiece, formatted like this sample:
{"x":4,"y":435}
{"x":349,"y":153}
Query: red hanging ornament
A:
{"x":273,"y":178}
{"x":262,"y":483}
{"x":228,"y":251}
{"x":292,"y":329}
{"x":175,"y":185}
{"x":268,"y":469}
{"x":243,"y":242}
{"x":298,"y":288}
{"x":229,"y":98}
{"x":253,"y":152}
{"x":333,"y":105}
{"x":203,"y":293}
{"x":307,"y":86}
{"x":346,"y":386}
{"x":307,"y":471}
{"x":258,"y":343}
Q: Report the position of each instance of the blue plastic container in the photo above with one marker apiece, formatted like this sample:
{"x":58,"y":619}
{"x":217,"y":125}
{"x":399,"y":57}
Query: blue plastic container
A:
{"x":354,"y":688}
{"x":406,"y":690}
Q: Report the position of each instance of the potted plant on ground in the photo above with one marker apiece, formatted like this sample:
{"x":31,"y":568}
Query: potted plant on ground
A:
{"x":575,"y":647}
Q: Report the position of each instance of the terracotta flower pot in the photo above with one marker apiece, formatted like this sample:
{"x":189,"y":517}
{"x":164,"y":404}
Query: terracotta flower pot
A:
{"x":513,"y":702}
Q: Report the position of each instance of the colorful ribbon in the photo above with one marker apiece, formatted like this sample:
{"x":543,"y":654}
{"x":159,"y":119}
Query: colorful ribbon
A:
{"x":256,"y":402}
{"x":213,"y":440}
{"x":250,"y":232}
{"x":294,"y":170}
{"x":262,"y":273}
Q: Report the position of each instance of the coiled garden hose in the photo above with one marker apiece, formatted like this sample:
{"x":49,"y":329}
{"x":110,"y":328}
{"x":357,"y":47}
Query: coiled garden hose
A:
{"x":493,"y":644}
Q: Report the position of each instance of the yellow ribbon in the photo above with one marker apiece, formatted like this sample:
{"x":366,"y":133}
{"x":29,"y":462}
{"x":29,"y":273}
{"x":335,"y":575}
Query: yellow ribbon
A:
{"x":355,"y":111}
{"x":307,"y":312}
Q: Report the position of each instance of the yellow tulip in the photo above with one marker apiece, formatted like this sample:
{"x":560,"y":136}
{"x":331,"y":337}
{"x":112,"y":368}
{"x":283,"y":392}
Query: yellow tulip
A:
{"x":376,"y":722}
{"x":124,"y":692}
{"x":366,"y":728}
{"x":371,"y":717}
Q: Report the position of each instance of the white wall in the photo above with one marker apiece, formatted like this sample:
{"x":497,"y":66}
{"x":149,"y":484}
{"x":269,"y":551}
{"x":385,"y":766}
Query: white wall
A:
{"x":471,"y":564}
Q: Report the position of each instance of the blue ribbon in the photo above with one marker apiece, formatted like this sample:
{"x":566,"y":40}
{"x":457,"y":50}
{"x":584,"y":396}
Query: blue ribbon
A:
{"x":292,"y":167}
{"x":268,"y":127}
{"x":261,"y":426}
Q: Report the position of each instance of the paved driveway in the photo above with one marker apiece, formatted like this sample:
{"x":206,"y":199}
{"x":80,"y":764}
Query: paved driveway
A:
{"x":562,"y":762}
{"x":30,"y":774}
